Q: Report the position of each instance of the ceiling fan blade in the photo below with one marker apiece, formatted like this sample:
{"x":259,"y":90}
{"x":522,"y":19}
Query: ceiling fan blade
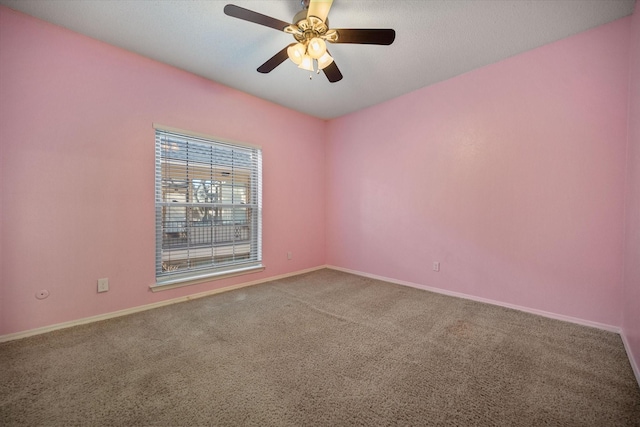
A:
{"x":275,"y":60}
{"x":319,"y":9}
{"x":255,"y":17}
{"x":332,"y":72}
{"x":384,"y":36}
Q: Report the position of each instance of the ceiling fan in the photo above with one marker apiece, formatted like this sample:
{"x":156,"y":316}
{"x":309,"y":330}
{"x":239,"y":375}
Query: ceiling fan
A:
{"x":310,"y":28}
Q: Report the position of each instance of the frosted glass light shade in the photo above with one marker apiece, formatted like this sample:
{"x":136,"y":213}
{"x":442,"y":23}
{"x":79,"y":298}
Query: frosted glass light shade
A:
{"x":317,"y":48}
{"x":324,"y":61}
{"x":307,"y":63}
{"x":296,"y":52}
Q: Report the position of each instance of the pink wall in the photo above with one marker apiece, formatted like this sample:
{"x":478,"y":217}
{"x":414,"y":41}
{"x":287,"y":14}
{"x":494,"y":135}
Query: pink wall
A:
{"x":631,"y":321}
{"x":77,"y":172}
{"x":512,"y":176}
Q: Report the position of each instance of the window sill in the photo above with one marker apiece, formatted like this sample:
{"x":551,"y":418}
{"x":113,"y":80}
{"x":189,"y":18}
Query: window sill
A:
{"x":187,"y":281}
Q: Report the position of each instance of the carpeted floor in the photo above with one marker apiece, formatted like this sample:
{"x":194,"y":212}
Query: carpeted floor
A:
{"x":321,"y":349}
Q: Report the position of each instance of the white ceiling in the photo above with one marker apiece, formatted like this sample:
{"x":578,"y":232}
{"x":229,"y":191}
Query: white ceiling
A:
{"x":435,"y":40}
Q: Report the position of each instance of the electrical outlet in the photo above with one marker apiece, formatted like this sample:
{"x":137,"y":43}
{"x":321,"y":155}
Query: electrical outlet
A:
{"x":289,"y":255}
{"x":103,"y":285}
{"x":436,"y":266}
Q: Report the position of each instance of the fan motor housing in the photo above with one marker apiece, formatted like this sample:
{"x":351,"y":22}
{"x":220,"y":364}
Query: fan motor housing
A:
{"x":309,"y":27}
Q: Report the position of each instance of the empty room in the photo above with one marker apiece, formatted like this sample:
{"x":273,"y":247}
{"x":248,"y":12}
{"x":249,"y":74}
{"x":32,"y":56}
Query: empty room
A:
{"x":316,"y":212}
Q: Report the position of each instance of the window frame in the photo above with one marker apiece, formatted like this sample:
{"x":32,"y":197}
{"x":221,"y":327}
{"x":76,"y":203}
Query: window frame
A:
{"x":245,"y":178}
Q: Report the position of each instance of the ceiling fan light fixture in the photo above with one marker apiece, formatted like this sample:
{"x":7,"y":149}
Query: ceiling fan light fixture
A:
{"x":310,"y":29}
{"x":296,"y":53}
{"x":317,"y":47}
{"x":324,"y":61}
{"x":307,"y":63}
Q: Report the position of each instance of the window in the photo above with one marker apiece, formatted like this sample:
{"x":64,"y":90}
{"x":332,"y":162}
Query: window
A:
{"x":208,"y":207}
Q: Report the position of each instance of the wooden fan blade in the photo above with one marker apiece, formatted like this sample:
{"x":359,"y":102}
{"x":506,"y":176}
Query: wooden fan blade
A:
{"x":332,"y":72}
{"x":319,"y":9}
{"x":384,"y":36}
{"x":275,"y":60}
{"x":255,"y":17}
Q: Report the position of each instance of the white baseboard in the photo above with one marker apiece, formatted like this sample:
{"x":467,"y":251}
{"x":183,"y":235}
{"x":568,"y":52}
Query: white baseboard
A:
{"x":603,"y":326}
{"x":114,"y":314}
{"x":632,"y":361}
{"x":137,"y":309}
{"x":556,"y":316}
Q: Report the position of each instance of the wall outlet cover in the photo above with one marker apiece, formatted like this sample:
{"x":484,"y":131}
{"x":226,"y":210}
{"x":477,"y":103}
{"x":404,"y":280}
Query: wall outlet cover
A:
{"x":103,"y":285}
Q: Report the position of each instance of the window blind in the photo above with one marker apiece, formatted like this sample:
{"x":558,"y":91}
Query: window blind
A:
{"x":208,"y":198}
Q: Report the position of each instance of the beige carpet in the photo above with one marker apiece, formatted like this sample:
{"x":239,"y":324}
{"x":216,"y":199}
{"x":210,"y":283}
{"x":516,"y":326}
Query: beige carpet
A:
{"x":321,"y":349}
